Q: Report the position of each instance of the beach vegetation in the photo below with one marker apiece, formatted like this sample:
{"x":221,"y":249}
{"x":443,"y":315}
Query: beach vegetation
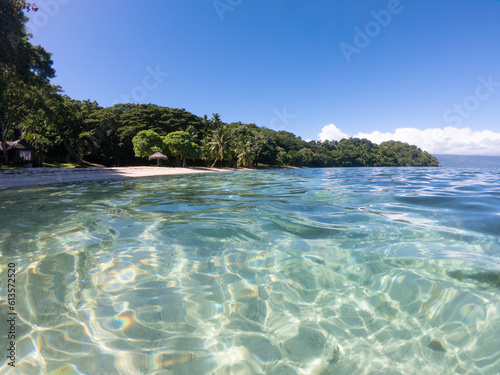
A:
{"x":25,"y":71}
{"x":244,"y":151}
{"x":146,"y":143}
{"x":218,"y":145}
{"x":181,"y":145}
{"x":84,"y":133}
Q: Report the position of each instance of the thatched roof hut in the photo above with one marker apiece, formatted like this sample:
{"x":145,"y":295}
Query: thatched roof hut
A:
{"x":158,"y":156}
{"x":19,"y":149}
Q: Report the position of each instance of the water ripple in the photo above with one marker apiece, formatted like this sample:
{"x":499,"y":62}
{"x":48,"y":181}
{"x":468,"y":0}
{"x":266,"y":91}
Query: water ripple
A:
{"x":377,"y":270}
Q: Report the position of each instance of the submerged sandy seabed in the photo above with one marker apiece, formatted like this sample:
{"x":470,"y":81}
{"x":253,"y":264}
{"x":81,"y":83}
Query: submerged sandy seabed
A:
{"x":40,"y":176}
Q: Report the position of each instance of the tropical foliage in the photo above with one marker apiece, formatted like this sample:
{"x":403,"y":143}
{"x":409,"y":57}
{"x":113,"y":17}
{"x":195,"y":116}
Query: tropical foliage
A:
{"x":25,"y":71}
{"x":74,"y":131}
{"x":68,"y":130}
{"x":181,"y":145}
{"x":146,"y":143}
{"x":218,"y":145}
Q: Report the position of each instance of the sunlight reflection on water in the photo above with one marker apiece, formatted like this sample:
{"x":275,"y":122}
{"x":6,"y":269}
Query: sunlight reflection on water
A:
{"x":345,"y":271}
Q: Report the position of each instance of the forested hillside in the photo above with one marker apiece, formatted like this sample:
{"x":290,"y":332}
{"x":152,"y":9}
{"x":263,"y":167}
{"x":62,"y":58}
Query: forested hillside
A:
{"x":128,"y":133}
{"x":68,"y":130}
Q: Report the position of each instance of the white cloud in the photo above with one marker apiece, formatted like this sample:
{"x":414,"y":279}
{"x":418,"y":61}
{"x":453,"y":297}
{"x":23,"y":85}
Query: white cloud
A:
{"x":448,"y":140}
{"x":331,"y":133}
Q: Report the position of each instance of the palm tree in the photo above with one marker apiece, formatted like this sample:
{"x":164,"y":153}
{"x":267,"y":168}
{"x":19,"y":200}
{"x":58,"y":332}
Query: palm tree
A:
{"x":191,"y":130}
{"x":218,"y":144}
{"x":245,"y":153}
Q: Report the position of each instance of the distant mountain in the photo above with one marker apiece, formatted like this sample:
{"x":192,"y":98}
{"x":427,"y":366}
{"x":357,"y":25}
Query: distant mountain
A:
{"x":468,"y":161}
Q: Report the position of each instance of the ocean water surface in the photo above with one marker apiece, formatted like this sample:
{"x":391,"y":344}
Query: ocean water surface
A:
{"x":311,"y":271}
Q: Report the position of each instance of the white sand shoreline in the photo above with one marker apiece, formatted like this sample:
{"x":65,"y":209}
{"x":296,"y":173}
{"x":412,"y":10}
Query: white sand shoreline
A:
{"x":41,"y":176}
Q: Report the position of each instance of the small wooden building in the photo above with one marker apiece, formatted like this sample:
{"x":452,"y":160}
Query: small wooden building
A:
{"x":19,"y":150}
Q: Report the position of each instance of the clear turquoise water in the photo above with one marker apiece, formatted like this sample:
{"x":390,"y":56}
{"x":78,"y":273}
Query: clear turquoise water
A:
{"x":317,"y":271}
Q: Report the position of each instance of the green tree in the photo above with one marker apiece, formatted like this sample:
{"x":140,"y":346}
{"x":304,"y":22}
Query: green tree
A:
{"x":218,"y":145}
{"x":182,"y":146}
{"x":305,"y":157}
{"x":406,"y":155}
{"x":37,"y":124}
{"x":245,"y":153}
{"x":24,"y":69}
{"x":282,"y":157}
{"x":99,"y":142}
{"x":293,"y":157}
{"x":75,"y":117}
{"x":21,"y":103}
{"x":215,"y":122}
{"x":163,"y":120}
{"x":289,"y":141}
{"x":146,"y":143}
{"x":193,"y":132}
{"x":266,"y":146}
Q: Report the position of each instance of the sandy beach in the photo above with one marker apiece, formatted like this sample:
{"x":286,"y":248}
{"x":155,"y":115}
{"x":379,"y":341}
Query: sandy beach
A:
{"x":40,"y":176}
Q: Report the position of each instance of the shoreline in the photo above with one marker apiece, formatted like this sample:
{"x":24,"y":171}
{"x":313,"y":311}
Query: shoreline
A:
{"x":42,"y":176}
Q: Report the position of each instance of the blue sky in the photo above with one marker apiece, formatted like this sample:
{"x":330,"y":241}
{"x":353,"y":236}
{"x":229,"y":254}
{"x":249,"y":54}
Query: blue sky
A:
{"x":426,"y":72}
